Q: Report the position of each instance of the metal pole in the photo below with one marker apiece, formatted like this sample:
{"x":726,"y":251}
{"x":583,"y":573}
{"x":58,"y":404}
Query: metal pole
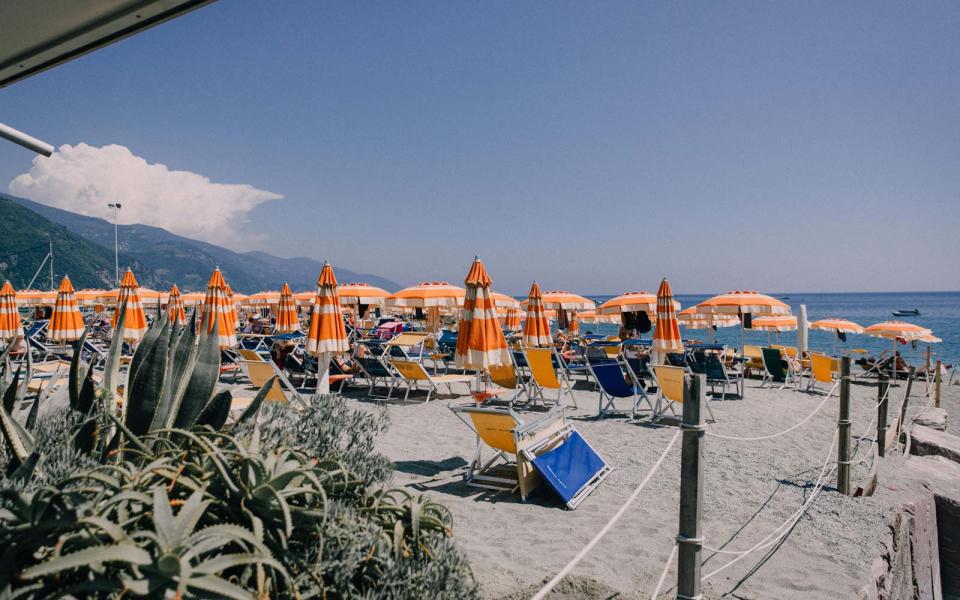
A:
{"x":51,"y":265}
{"x":882,"y":403}
{"x":936,"y":384}
{"x":116,"y":244}
{"x":843,"y":423}
{"x":27,"y":141}
{"x":690,"y":536}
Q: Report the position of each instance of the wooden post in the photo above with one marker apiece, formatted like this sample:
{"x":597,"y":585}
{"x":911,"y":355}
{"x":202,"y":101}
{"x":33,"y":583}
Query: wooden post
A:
{"x":903,"y":405}
{"x":882,"y":402}
{"x":936,"y":384}
{"x":843,"y":424}
{"x":689,"y":539}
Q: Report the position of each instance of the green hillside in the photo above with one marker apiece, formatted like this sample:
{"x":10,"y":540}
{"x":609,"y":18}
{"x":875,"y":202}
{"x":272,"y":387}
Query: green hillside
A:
{"x":24,"y":239}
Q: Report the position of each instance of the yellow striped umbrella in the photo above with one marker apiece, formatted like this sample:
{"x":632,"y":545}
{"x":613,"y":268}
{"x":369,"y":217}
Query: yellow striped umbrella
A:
{"x":134,"y":321}
{"x":66,"y":323}
{"x":480,"y":341}
{"x":666,"y":336}
{"x":536,"y":328}
{"x":776,"y":323}
{"x":175,"y":312}
{"x":836,"y":324}
{"x":327,"y":335}
{"x":217,"y":319}
{"x":11,"y":327}
{"x":287,"y":320}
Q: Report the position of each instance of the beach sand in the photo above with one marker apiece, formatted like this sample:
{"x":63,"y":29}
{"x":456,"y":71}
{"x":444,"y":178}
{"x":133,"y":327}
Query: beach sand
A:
{"x":750,"y":489}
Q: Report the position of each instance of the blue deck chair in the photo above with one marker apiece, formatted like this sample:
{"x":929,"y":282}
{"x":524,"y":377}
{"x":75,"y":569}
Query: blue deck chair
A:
{"x":615,"y":383}
{"x":374,"y":370}
{"x":718,"y":375}
{"x":573,"y":469}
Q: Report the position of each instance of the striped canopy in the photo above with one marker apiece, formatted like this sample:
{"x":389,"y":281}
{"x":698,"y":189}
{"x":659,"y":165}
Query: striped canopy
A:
{"x":134,"y":321}
{"x":897,"y":330}
{"x":175,"y":312}
{"x":504,"y":301}
{"x":264,"y":298}
{"x":564,"y":300}
{"x":36,"y":298}
{"x":66,"y":323}
{"x":217,"y":318}
{"x":480,"y":341}
{"x":11,"y":327}
{"x":90,"y":297}
{"x":775,"y":323}
{"x":287,"y":320}
{"x":691,"y":319}
{"x":193,"y":298}
{"x":536,"y":328}
{"x":429,"y":293}
{"x":234,"y":314}
{"x":327,"y":333}
{"x":743,"y":302}
{"x":362,"y":293}
{"x":511,"y":321}
{"x":594,"y":316}
{"x":666,"y":335}
{"x":631,"y":302}
{"x":836,"y":324}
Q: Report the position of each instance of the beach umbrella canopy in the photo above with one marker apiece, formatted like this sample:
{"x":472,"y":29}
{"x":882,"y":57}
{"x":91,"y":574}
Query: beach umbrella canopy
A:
{"x":362,"y":293}
{"x":536,"y":328}
{"x":504,"y":301}
{"x":193,"y":298}
{"x":175,"y":312}
{"x":930,"y":339}
{"x":480,"y":341}
{"x":666,"y":335}
{"x":836,"y":324}
{"x":564,"y":300}
{"x":512,"y":320}
{"x":90,"y":297}
{"x":264,"y":298}
{"x":287,"y":320}
{"x":692,"y":319}
{"x":217,"y":317}
{"x":427,"y":294}
{"x":36,"y":298}
{"x":897,"y":330}
{"x":11,"y":327}
{"x":743,"y":302}
{"x":595,"y":316}
{"x":327,"y":333}
{"x":134,"y":321}
{"x":632,"y":302}
{"x":775,"y":323}
{"x":66,"y":323}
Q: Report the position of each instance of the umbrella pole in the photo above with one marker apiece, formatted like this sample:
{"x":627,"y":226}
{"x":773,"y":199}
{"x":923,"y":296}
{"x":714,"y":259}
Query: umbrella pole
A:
{"x":323,"y":372}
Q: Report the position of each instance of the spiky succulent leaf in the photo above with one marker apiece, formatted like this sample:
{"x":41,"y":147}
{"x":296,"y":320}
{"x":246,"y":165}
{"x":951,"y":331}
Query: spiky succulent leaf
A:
{"x":144,"y":348}
{"x":111,"y":368}
{"x":146,"y":386}
{"x":19,"y":441}
{"x":203,"y":380}
{"x":31,"y":423}
{"x":10,"y":394}
{"x":216,"y":412}
{"x":78,"y":371}
{"x":126,"y":552}
{"x":25,"y":471}
{"x":254,"y":407}
{"x":27,"y":378}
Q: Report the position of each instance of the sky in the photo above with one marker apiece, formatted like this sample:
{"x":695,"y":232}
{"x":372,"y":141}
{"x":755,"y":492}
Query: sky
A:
{"x":778,"y":146}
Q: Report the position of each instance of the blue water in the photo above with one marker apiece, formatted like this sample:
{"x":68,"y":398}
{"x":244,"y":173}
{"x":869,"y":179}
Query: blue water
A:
{"x":940,"y":311}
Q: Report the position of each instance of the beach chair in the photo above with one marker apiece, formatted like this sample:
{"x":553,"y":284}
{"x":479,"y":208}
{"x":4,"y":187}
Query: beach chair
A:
{"x":413,"y":374}
{"x":375,"y":370}
{"x":259,"y":372}
{"x":616,"y":380}
{"x":508,"y":379}
{"x":822,"y":371}
{"x":545,"y":376}
{"x":670,"y":391}
{"x":717,"y":374}
{"x":408,"y":345}
{"x":773,"y":369}
{"x":753,"y":356}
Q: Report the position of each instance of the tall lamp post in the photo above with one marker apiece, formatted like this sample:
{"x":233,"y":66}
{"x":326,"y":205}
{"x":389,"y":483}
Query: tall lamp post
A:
{"x":116,"y":245}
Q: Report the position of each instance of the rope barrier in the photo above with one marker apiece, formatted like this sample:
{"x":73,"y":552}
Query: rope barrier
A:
{"x":616,"y":517}
{"x":774,"y":435}
{"x":663,"y":574}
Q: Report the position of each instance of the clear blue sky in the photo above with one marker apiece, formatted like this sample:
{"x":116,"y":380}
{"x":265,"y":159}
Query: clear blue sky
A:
{"x":783,"y":146}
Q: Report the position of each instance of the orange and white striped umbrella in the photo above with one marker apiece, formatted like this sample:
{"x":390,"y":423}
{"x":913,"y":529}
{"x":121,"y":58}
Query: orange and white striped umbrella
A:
{"x":836,"y":324}
{"x":775,"y":323}
{"x":743,"y":302}
{"x":632,"y":302}
{"x":504,"y":301}
{"x":287,"y":320}
{"x":175,"y":312}
{"x":428,"y":294}
{"x":666,"y":336}
{"x":36,"y":298}
{"x":512,"y":319}
{"x":564,"y":300}
{"x":66,"y":323}
{"x":536,"y":328}
{"x":217,"y":317}
{"x":90,"y":297}
{"x":11,"y":327}
{"x":593,"y":316}
{"x":134,"y":321}
{"x":480,"y":341}
{"x":193,"y":299}
{"x":897,"y":330}
{"x":691,"y":319}
{"x":327,"y":334}
{"x":234,"y":313}
{"x":362,"y":293}
{"x":264,"y":298}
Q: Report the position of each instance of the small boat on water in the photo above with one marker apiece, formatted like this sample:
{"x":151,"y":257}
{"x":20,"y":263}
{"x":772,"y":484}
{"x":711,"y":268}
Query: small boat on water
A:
{"x":912,"y":312}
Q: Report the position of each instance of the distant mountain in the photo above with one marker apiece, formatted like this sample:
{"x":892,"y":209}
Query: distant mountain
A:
{"x":160,"y":258}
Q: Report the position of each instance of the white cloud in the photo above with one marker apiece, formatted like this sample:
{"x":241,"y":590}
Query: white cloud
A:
{"x":84,"y":179}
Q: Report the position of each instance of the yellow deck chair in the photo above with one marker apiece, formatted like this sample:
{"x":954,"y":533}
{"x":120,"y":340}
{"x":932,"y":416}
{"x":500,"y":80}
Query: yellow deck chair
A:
{"x":508,"y":379}
{"x":544,"y":374}
{"x":507,"y":434}
{"x":670,"y":391}
{"x":821,"y":371}
{"x":754,"y":356}
{"x":613,"y":348}
{"x":259,"y":372}
{"x":413,"y":374}
{"x":247,"y":354}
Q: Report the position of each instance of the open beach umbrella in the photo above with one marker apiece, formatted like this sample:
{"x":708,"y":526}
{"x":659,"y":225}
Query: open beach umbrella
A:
{"x":217,"y":319}
{"x":193,"y":298}
{"x":429,"y":293}
{"x":175,"y":312}
{"x":594,"y":316}
{"x":11,"y":327}
{"x":742,"y":303}
{"x":836,"y":324}
{"x":632,"y":302}
{"x":287,"y":320}
{"x":689,"y":318}
{"x":480,"y":341}
{"x":264,"y":298}
{"x":666,"y":335}
{"x":565,"y":303}
{"x":66,"y":322}
{"x":327,"y":335}
{"x":90,"y":297}
{"x":778,"y":323}
{"x":134,"y":321}
{"x":504,"y":301}
{"x":898,"y":331}
{"x":362,"y":293}
{"x":36,"y":297}
{"x":536,"y":328}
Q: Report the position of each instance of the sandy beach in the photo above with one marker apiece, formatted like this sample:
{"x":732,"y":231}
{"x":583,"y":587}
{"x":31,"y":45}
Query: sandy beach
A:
{"x":751,"y":488}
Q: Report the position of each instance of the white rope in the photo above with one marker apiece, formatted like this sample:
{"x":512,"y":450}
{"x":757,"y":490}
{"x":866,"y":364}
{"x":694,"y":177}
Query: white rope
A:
{"x":616,"y":517}
{"x":663,"y":574}
{"x":771,"y":436}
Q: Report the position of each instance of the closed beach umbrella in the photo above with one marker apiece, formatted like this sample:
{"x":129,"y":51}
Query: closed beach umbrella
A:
{"x":175,"y":312}
{"x":536,"y":328}
{"x":10,"y":325}
{"x":666,"y":335}
{"x":480,"y":341}
{"x":66,"y":323}
{"x":564,"y":303}
{"x":134,"y":321}
{"x":327,"y":335}
{"x":802,"y":327}
{"x":776,"y":323}
{"x":287,"y":320}
{"x":234,"y":314}
{"x":512,"y":320}
{"x":217,"y":317}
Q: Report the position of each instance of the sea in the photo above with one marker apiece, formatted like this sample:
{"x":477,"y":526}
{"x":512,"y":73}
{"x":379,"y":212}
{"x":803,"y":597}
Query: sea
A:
{"x":939,"y":311}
